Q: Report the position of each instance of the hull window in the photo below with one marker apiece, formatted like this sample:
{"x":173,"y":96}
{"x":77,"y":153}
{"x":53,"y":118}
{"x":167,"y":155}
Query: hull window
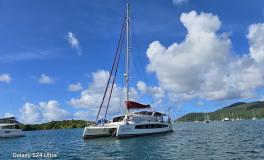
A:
{"x":150,"y":126}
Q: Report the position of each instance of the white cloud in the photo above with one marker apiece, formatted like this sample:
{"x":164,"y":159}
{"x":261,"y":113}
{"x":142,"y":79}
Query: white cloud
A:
{"x":157,"y":92}
{"x":179,"y":2}
{"x":5,"y":78}
{"x":30,"y":113}
{"x":90,"y":99}
{"x":74,"y":42}
{"x":45,"y":79}
{"x":51,"y":111}
{"x":203,"y":65}
{"x":7,"y":115}
{"x":256,"y":39}
{"x":83,"y":114}
{"x":75,"y":87}
{"x":42,"y":112}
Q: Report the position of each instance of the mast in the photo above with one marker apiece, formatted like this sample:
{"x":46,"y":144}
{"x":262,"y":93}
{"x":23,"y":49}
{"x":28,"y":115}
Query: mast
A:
{"x":127,"y":54}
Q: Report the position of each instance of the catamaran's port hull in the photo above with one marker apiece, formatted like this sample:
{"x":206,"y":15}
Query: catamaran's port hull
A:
{"x":97,"y":132}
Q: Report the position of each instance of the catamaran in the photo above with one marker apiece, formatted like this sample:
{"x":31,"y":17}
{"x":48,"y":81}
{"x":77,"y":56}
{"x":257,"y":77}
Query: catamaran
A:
{"x":253,"y":113}
{"x":138,"y":119}
{"x":9,"y":127}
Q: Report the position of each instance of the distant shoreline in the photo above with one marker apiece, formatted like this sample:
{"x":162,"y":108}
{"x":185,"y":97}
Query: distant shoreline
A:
{"x":64,"y":124}
{"x":236,"y":111}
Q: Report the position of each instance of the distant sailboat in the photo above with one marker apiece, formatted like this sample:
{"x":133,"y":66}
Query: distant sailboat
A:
{"x":196,"y":121}
{"x":237,"y":118}
{"x":254,"y":117}
{"x":225,"y":119}
{"x":232,"y":117}
{"x":206,"y":118}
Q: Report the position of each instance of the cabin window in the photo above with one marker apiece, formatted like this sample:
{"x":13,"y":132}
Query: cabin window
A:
{"x":139,"y":126}
{"x":10,"y":127}
{"x":150,"y":126}
{"x":118,"y":119}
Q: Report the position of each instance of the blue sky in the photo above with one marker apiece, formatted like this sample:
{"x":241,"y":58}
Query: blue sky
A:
{"x":52,"y":54}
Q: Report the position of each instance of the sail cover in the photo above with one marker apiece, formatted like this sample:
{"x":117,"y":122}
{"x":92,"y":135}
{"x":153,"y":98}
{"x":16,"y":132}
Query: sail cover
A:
{"x":136,"y":105}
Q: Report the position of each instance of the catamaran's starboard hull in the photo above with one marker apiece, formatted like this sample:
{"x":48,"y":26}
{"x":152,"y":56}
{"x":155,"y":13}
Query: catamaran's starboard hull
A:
{"x":10,"y":133}
{"x":142,"y":134}
{"x":130,"y":130}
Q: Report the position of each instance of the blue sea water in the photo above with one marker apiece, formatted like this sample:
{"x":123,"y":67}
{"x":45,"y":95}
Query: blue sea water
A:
{"x":215,"y":140}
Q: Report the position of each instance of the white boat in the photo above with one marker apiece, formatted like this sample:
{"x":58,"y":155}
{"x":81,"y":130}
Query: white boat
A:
{"x":232,"y":115}
{"x":9,"y":127}
{"x":254,"y":117}
{"x":131,"y":124}
{"x":206,"y":118}
{"x":226,"y":119}
{"x":134,"y":122}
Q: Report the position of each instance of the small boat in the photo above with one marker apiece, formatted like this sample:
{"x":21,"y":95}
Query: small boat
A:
{"x":138,"y":119}
{"x":254,"y":117}
{"x":206,"y":118}
{"x":232,"y":115}
{"x":237,"y":118}
{"x":226,"y":119}
{"x":9,"y":127}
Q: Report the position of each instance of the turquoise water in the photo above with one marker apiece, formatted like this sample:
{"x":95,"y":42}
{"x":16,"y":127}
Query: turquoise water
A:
{"x":216,"y":140}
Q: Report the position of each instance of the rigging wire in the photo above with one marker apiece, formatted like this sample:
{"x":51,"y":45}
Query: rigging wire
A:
{"x":113,"y":82}
{"x":111,"y":72}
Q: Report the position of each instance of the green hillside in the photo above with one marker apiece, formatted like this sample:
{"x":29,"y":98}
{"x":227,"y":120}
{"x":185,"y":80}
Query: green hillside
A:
{"x":237,"y":110}
{"x":56,"y":125}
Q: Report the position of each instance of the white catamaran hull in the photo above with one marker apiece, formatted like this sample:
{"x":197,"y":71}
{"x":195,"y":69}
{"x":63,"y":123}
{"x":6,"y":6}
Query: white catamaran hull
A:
{"x":130,"y":130}
{"x":123,"y":130}
{"x":8,"y":133}
{"x":98,"y":131}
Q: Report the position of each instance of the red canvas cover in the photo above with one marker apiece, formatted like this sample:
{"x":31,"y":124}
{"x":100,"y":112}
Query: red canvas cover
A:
{"x":136,"y":105}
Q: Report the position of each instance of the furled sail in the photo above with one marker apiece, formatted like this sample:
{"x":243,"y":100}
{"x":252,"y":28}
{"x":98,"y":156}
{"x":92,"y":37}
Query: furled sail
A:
{"x":136,"y":105}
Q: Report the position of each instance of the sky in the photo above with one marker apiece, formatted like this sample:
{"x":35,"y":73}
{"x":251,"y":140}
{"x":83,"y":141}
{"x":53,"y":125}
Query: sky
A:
{"x":186,"y":56}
